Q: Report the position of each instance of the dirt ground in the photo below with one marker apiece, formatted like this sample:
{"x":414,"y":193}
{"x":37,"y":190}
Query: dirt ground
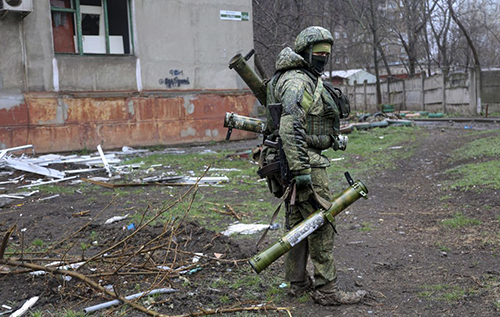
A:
{"x":409,"y":262}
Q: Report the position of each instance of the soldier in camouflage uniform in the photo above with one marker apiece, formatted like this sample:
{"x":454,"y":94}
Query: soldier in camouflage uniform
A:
{"x":309,"y":124}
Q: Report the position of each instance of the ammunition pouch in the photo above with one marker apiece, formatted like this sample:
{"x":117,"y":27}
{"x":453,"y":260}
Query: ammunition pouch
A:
{"x":340,"y":100}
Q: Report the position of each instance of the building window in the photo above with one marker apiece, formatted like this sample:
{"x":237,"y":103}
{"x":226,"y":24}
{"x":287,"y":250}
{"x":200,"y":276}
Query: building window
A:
{"x":346,"y":60}
{"x":337,"y":60}
{"x":92,"y":26}
{"x":337,"y":35}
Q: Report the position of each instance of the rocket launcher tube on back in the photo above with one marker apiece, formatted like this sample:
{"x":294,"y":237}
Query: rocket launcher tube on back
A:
{"x":249,"y":76}
{"x":308,"y":226}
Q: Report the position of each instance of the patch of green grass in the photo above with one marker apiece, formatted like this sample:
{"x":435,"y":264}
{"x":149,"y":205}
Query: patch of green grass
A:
{"x":36,"y":313}
{"x":459,"y":220}
{"x":56,"y":189}
{"x":442,"y":292}
{"x":453,"y":295}
{"x":224,"y":299}
{"x":304,"y":298}
{"x":370,"y":151}
{"x":476,"y":176}
{"x":38,"y":243}
{"x":497,"y":304}
{"x":443,"y":248}
{"x":482,"y":147}
{"x":365,"y":227}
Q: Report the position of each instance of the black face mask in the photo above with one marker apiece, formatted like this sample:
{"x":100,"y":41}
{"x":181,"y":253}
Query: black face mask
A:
{"x":318,"y":64}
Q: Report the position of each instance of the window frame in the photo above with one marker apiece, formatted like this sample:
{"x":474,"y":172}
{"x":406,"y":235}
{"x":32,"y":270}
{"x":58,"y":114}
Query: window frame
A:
{"x":78,"y":28}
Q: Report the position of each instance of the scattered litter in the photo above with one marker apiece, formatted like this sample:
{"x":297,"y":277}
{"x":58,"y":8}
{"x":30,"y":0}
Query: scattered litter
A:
{"x":205,"y":180}
{"x":130,"y":297}
{"x":218,"y":255}
{"x":104,"y":161}
{"x":84,"y":170}
{"x":163,"y":267}
{"x":50,"y":197}
{"x":131,"y":227}
{"x":64,"y":267}
{"x":6,"y":307}
{"x":26,"y":306}
{"x":274,"y":226}
{"x":11,"y":196}
{"x":337,"y":159}
{"x":225,"y":169}
{"x":196,"y":259}
{"x":33,"y":168}
{"x":467,"y":127}
{"x":38,"y":183}
{"x":194,"y":270}
{"x":395,"y":147}
{"x":115,"y":219}
{"x":243,"y":228}
{"x":128,"y":150}
{"x":13,"y":149}
{"x":283,"y":285}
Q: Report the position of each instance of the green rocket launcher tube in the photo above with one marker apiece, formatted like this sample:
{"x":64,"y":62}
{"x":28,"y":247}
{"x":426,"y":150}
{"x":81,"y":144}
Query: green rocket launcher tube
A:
{"x":233,"y":120}
{"x":249,"y":76}
{"x":309,"y":225}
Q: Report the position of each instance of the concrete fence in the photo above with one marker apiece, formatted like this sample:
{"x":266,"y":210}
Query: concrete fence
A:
{"x":468,"y":93}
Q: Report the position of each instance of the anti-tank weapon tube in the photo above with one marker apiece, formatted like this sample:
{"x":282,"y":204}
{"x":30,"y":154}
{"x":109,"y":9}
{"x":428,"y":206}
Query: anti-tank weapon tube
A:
{"x":249,"y":76}
{"x":309,"y":225}
{"x":233,"y":120}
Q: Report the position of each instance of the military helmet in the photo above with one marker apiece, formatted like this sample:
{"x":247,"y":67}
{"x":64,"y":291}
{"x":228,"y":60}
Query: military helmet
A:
{"x":310,"y":36}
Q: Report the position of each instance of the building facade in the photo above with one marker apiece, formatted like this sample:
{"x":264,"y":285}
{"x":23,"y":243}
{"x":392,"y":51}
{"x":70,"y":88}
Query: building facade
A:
{"x":77,"y":73}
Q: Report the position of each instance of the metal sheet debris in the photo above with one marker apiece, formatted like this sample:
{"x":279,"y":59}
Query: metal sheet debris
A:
{"x":33,"y":168}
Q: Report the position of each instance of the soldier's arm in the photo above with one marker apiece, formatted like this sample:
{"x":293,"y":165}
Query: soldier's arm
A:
{"x":293,"y":93}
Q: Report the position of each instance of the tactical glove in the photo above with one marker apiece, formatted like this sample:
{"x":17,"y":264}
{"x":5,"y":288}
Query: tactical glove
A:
{"x":303,"y":180}
{"x":339,"y":142}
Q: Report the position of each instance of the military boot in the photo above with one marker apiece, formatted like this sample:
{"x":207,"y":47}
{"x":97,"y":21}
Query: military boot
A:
{"x":298,"y":289}
{"x":331,"y":294}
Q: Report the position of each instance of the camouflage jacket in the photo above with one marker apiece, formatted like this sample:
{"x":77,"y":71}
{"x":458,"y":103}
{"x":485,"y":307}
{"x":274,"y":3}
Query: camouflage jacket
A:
{"x":309,"y":117}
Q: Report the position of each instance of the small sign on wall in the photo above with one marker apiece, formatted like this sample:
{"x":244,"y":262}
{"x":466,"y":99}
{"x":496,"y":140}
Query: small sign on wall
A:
{"x":234,"y":15}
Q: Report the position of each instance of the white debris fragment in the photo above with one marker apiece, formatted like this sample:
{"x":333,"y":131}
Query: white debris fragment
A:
{"x":33,"y":168}
{"x":27,"y":305}
{"x":37,"y":183}
{"x":49,"y":197}
{"x":243,"y":228}
{"x":64,"y":267}
{"x":205,"y":180}
{"x":104,"y":161}
{"x":115,"y":219}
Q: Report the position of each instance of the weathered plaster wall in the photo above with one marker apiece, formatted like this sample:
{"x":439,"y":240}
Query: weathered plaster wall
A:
{"x":189,"y":37}
{"x":61,"y":102}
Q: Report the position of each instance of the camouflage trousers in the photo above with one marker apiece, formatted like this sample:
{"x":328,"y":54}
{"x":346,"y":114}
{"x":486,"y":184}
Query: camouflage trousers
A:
{"x":318,"y":245}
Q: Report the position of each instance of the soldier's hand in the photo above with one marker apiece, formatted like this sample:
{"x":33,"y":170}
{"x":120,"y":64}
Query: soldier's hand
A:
{"x":339,"y":143}
{"x":303,"y":180}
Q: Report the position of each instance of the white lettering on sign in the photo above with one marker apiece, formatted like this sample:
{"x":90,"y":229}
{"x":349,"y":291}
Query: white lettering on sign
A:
{"x":234,"y":15}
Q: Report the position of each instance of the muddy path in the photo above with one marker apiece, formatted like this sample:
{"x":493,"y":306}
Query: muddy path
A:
{"x":411,"y":263}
